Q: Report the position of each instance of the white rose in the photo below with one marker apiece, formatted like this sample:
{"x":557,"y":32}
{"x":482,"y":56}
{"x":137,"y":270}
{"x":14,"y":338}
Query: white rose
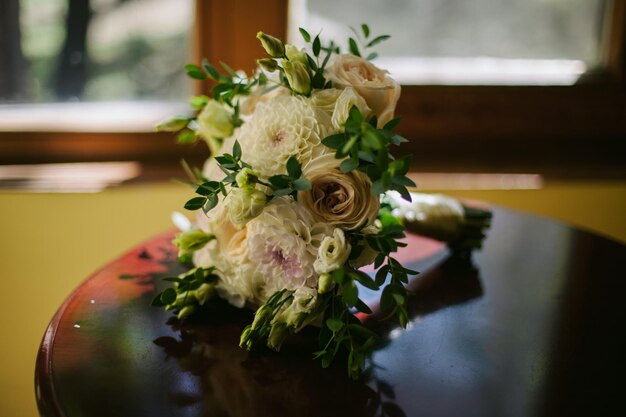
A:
{"x":244,"y":204}
{"x":336,"y":198}
{"x":337,"y":104}
{"x":380,"y":91}
{"x":214,"y":123}
{"x":333,"y":253}
{"x":282,"y":127}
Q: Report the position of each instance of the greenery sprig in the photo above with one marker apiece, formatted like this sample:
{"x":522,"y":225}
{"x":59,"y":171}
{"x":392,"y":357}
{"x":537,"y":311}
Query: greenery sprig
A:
{"x":227,"y":89}
{"x":366,"y":148}
{"x":191,"y":289}
{"x":232,"y":165}
{"x":365,"y":42}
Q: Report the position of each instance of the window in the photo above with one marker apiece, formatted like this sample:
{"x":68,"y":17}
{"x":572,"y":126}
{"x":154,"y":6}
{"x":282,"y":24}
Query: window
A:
{"x":572,"y":120}
{"x":98,"y":50}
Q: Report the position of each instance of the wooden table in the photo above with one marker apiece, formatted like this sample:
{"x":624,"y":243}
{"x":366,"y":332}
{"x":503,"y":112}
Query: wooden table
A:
{"x":535,"y":327}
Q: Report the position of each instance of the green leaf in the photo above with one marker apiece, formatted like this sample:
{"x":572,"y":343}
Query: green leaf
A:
{"x":211,"y":202}
{"x":302,"y":184}
{"x":372,"y":138}
{"x":377,"y":188}
{"x":354,"y":49}
{"x":210,"y":69}
{"x":398,"y":298}
{"x":195,"y":203}
{"x":186,"y":136}
{"x":350,"y":293}
{"x":349,"y":165}
{"x":334,"y":324}
{"x":293,"y":167}
{"x":364,"y":279}
{"x":156,"y":302}
{"x":317,"y":46}
{"x":237,"y":150}
{"x":334,"y":141}
{"x":362,"y":331}
{"x":195,"y":72}
{"x":366,"y":30}
{"x":339,"y":276}
{"x":397,"y":139}
{"x":229,"y":70}
{"x":362,"y":307}
{"x":208,"y":188}
{"x":381,"y":275}
{"x":281,"y":192}
{"x":355,"y":115}
{"x":378,"y":40}
{"x":305,"y":35}
{"x":391,"y":124}
{"x":372,"y":56}
{"x":280,"y":181}
{"x":347,"y":147}
{"x":168,"y":296}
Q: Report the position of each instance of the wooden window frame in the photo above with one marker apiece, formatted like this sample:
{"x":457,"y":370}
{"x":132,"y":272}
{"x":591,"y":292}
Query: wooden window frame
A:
{"x":577,"y":130}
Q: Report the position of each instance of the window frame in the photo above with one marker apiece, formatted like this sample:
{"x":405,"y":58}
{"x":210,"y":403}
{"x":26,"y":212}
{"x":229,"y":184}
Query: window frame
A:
{"x":577,"y":130}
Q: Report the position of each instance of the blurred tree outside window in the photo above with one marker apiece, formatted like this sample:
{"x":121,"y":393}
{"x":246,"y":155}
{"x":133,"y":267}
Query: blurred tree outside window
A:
{"x":94,"y":50}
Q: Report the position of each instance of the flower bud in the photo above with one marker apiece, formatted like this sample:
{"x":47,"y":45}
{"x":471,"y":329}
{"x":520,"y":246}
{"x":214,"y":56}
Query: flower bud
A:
{"x":298,"y":76}
{"x":215,"y":122}
{"x":193,"y":239}
{"x":173,"y":124}
{"x":277,"y":336}
{"x":186,"y":312}
{"x":262,"y":315}
{"x":273,"y":46}
{"x":190,"y":241}
{"x":267,"y":64}
{"x":204,"y":293}
{"x":326,"y":283}
{"x":295,"y":55}
{"x":246,"y":178}
{"x":244,"y":339}
{"x":293,"y":318}
{"x":245,"y":204}
{"x":183,"y":299}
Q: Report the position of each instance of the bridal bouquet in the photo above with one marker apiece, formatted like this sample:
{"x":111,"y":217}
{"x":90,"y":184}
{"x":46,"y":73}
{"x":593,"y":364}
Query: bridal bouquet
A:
{"x":291,"y":197}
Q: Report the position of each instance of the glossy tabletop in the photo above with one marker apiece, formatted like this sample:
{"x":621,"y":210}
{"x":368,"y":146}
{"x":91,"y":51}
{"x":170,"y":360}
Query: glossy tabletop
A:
{"x":532,"y":326}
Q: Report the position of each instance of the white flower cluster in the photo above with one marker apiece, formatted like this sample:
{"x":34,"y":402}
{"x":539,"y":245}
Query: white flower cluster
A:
{"x":264,"y":243}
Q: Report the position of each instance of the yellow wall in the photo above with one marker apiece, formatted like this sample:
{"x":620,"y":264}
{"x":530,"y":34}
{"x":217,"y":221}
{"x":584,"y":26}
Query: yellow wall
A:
{"x":49,"y":243}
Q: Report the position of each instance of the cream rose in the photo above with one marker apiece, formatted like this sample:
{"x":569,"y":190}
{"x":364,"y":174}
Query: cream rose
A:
{"x":336,"y":198}
{"x":228,"y":253}
{"x":333,"y":252}
{"x":337,"y":104}
{"x":380,"y":91}
{"x":244,"y":204}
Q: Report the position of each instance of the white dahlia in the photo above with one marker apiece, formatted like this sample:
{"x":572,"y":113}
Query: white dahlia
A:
{"x":282,"y":127}
{"x":283,"y":243}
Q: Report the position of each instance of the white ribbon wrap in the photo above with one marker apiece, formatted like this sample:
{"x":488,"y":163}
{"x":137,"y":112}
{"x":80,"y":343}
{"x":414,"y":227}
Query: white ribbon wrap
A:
{"x":433,"y":215}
